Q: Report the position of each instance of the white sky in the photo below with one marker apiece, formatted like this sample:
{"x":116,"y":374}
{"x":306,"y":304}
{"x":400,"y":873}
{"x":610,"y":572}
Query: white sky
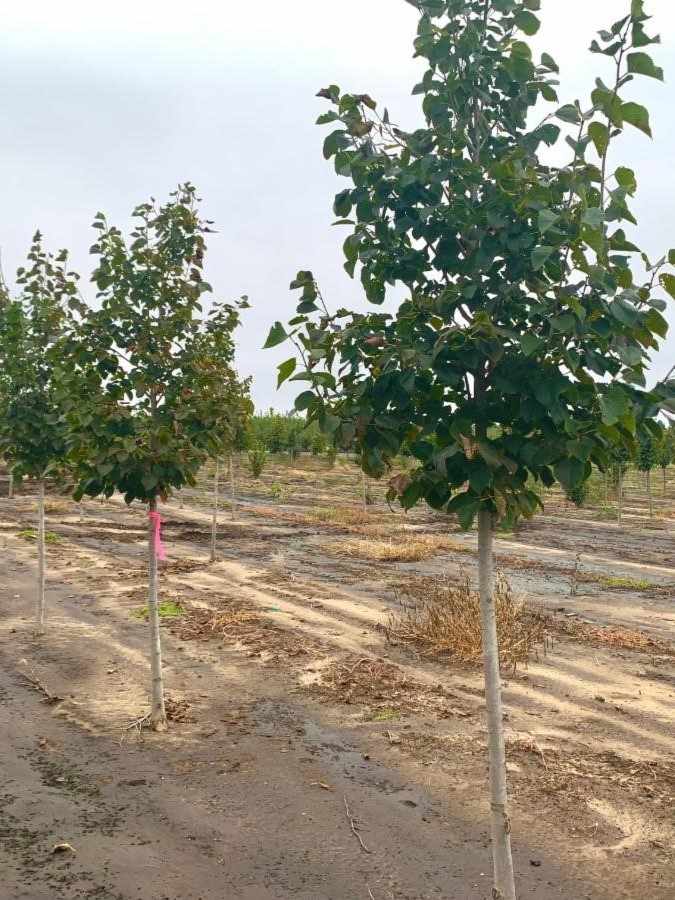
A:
{"x":103,"y":105}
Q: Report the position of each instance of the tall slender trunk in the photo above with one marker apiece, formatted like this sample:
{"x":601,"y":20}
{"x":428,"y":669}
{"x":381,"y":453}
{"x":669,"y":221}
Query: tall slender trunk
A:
{"x":10,"y":485}
{"x":80,"y":507}
{"x":619,"y":498}
{"x":664,"y":481}
{"x":214,"y":519}
{"x":233,"y":498}
{"x":504,"y":886}
{"x":649,"y":494}
{"x":364,"y":487}
{"x":158,"y":713}
{"x":40,"y":603}
{"x":180,"y":499}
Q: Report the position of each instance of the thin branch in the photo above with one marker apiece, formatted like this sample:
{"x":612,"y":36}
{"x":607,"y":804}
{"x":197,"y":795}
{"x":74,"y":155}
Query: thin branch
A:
{"x":354,"y":827}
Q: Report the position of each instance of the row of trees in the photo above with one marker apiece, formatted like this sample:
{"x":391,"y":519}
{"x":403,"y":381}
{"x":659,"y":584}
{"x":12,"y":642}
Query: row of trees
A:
{"x":285,"y":433}
{"x":520,"y":351}
{"x":647,"y":453}
{"x":132,"y":395}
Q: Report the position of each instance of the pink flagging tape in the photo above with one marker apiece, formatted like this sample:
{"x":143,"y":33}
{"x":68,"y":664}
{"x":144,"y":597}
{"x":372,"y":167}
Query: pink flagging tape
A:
{"x":159,"y":546}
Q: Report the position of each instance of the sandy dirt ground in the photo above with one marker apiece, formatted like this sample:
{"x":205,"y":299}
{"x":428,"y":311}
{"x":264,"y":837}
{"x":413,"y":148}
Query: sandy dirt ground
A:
{"x":309,"y":756}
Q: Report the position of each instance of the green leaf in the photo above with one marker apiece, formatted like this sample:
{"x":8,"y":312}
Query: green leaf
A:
{"x":641,"y":63}
{"x":494,"y":458}
{"x":149,"y":480}
{"x":527,"y":22}
{"x":668,"y":282}
{"x":626,"y":178}
{"x":600,"y":136}
{"x":593,"y":216}
{"x":304,"y":400}
{"x":466,"y":507}
{"x":285,"y":370}
{"x":549,"y":63}
{"x":547,"y":218}
{"x":637,"y":116}
{"x":569,"y":113}
{"x":613,"y":405}
{"x":276,"y":336}
{"x":336,"y":141}
{"x":570,"y":472}
{"x":531,"y":343}
{"x":637,"y":11}
{"x":540,"y":255}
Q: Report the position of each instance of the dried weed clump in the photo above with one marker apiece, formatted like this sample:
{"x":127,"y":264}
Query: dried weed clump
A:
{"x":442,"y":617}
{"x":402,"y":548}
{"x":616,"y":637}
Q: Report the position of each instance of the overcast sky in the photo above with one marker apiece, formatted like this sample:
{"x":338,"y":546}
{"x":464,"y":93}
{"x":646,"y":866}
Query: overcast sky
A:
{"x":103,"y":105}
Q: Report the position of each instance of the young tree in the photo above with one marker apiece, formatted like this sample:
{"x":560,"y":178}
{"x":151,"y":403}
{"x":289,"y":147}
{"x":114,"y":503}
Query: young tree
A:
{"x":520,"y":348}
{"x":236,"y":409}
{"x":32,"y":328}
{"x":645,"y":461}
{"x":666,"y":453}
{"x":145,"y":404}
{"x":620,"y":457}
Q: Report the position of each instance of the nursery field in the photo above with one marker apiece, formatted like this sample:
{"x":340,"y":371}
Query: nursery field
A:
{"x":320,"y":746}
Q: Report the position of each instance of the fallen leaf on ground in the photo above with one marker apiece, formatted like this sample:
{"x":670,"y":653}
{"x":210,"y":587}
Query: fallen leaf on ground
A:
{"x":63,"y":848}
{"x":321,"y":784}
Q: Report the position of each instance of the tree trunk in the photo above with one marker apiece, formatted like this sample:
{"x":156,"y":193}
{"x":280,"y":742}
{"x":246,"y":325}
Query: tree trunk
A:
{"x":364,"y":486}
{"x":158,"y":713}
{"x":214,"y":519}
{"x":649,"y":494}
{"x":40,"y":604}
{"x":619,"y":498}
{"x":180,"y":499}
{"x":664,"y":481}
{"x":10,"y":485}
{"x":504,"y":886}
{"x":232,"y":494}
{"x":80,"y":507}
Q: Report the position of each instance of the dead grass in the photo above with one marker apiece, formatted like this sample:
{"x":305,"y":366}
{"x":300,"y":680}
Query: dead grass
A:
{"x":382,"y":690}
{"x":247,"y":628}
{"x":402,"y":548}
{"x":616,"y":636}
{"x":443,"y":618}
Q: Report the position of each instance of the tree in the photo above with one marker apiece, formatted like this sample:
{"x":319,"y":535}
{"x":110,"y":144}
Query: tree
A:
{"x":666,"y":452}
{"x":521,"y":345}
{"x":620,"y":457}
{"x":145,"y":404}
{"x":645,"y":461}
{"x":32,"y":328}
{"x":236,"y":409}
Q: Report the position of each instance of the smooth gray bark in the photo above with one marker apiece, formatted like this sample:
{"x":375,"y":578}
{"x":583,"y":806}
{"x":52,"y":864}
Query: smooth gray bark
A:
{"x":619,"y":499}
{"x":158,"y":712}
{"x":40,"y":603}
{"x":504,"y":885}
{"x":233,"y":498}
{"x":214,"y":519}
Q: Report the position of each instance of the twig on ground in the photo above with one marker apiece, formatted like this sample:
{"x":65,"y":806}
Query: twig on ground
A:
{"x":370,"y":893}
{"x":42,"y":688}
{"x":136,"y":725}
{"x":354,"y":827}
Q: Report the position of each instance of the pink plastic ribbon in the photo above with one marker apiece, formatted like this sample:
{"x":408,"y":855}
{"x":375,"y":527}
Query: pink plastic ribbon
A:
{"x":159,"y":546}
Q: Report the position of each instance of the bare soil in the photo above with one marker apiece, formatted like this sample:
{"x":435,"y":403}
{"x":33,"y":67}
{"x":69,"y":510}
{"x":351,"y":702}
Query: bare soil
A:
{"x":308,"y":757}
